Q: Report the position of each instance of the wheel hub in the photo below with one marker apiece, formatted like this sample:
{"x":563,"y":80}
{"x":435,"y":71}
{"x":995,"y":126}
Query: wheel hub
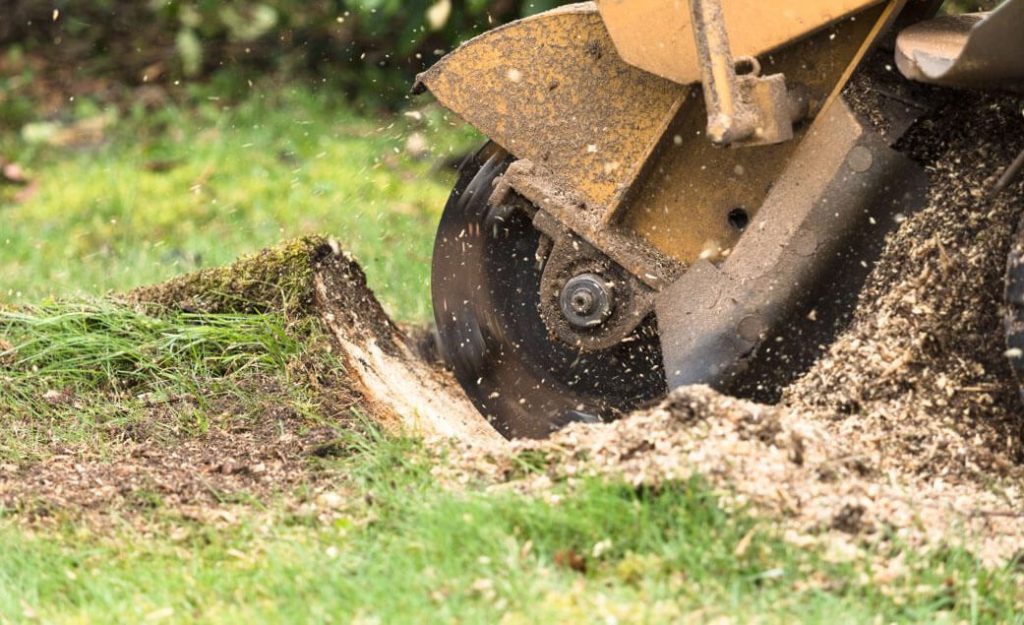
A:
{"x":587,"y":301}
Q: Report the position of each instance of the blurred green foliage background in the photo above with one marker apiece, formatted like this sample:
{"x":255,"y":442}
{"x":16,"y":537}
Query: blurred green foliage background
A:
{"x":371,"y":48}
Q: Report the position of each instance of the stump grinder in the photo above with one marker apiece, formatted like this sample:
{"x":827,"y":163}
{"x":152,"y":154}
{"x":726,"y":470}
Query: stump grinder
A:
{"x":681,"y":193}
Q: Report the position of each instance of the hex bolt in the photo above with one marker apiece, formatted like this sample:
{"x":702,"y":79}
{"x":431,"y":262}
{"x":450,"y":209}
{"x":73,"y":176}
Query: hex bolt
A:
{"x":587,"y":301}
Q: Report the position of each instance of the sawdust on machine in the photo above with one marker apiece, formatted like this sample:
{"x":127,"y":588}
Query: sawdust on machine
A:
{"x":910,"y":425}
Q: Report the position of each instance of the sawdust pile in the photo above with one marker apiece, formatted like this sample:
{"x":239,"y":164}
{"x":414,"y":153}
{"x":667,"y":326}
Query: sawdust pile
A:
{"x":921,"y":377}
{"x":910,"y":426}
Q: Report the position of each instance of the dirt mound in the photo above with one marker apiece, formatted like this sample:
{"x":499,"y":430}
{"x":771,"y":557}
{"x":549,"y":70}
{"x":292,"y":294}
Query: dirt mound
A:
{"x":313,"y":277}
{"x":781,"y":462}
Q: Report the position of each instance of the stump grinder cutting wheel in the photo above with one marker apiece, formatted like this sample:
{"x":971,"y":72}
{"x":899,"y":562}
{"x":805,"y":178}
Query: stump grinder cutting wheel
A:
{"x":681,"y":193}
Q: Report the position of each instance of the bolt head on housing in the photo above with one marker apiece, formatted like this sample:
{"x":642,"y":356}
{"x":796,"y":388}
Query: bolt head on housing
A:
{"x":587,"y":301}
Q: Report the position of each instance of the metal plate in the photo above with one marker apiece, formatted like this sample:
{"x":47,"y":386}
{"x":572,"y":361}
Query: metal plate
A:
{"x":682,"y":205}
{"x":657,"y":36}
{"x":551,"y":89}
{"x":982,"y":50}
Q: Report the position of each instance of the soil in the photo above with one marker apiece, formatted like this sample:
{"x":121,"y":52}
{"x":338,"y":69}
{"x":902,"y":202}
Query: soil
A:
{"x":256,"y":450}
{"x":239,"y":459}
{"x":908,"y":428}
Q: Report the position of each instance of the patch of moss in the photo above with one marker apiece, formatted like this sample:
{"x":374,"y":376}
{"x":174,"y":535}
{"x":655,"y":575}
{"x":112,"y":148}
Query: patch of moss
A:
{"x":277,"y":279}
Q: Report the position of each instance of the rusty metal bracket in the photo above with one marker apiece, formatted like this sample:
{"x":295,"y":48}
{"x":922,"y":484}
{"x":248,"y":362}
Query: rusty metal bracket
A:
{"x":744,"y":108}
{"x":842,"y":182}
{"x":566,"y":207}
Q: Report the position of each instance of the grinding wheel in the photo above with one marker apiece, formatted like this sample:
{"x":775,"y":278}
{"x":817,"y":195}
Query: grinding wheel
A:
{"x":487,"y":270}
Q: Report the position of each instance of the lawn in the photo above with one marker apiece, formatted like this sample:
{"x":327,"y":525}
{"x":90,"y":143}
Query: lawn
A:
{"x":598,"y":552}
{"x":200,"y":182}
{"x":167,"y":190}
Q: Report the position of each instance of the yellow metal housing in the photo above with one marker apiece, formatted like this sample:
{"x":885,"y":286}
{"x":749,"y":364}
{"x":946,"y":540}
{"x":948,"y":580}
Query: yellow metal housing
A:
{"x":657,"y":35}
{"x":552,"y":89}
{"x":621,"y":152}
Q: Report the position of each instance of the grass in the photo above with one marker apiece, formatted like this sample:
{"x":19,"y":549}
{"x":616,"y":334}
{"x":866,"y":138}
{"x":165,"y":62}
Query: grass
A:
{"x":91,"y":345}
{"x":408,"y":551}
{"x":168,"y":191}
{"x":81,"y":372}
